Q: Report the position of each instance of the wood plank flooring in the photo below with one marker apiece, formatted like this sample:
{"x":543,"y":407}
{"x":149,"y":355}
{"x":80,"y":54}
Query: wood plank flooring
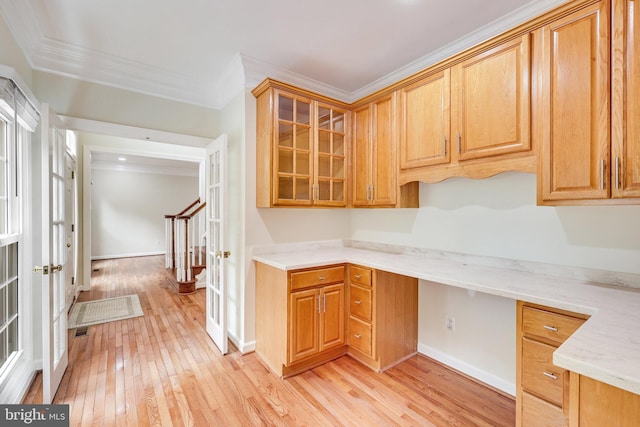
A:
{"x":163,"y":370}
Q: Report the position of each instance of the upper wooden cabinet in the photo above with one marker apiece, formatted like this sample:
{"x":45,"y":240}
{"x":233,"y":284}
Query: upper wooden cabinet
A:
{"x":302,"y":148}
{"x":375,"y":167}
{"x":491,"y":101}
{"x":477,"y":109}
{"x":573,"y":120}
{"x":425,"y":124}
{"x":625,"y":101}
{"x":374,"y":172}
{"x":588,"y":106}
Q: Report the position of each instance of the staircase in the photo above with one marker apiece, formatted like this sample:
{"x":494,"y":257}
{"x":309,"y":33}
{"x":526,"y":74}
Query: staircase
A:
{"x":185,"y":243}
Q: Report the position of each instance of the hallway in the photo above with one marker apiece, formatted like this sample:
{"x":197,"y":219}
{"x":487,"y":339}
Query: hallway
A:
{"x":163,"y":369}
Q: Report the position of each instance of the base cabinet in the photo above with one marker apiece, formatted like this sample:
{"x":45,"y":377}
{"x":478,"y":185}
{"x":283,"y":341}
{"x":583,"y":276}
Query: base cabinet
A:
{"x":542,"y":389}
{"x":383,"y":317}
{"x":594,"y":403}
{"x":305,"y":318}
{"x":300,"y":317}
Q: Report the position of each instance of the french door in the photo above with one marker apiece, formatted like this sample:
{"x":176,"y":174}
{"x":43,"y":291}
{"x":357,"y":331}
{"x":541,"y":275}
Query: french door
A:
{"x":54,"y":252}
{"x":217,"y":249}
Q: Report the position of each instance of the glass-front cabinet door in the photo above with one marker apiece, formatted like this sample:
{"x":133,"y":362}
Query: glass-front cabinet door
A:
{"x":310,"y":165}
{"x":330,"y":177}
{"x":294,"y":145}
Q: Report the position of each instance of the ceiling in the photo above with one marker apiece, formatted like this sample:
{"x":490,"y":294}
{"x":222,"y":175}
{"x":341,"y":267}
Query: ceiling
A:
{"x":194,"y":50}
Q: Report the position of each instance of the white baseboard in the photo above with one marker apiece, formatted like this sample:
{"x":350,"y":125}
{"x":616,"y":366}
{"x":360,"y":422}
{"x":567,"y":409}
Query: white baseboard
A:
{"x":129,"y":255}
{"x":472,"y":371}
{"x":244,"y":347}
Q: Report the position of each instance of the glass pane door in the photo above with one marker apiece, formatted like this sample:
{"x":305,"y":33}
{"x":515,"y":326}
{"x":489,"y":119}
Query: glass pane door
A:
{"x":294,"y":157}
{"x":331,"y":156}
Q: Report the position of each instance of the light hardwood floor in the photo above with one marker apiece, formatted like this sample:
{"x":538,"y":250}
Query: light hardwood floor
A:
{"x":162,"y":369}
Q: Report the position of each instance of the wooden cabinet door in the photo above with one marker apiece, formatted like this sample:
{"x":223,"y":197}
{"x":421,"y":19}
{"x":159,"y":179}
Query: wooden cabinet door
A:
{"x":594,"y":403}
{"x":425,"y":122}
{"x":384,"y":168}
{"x":293,"y":150}
{"x":332,"y":316}
{"x":573,"y":115}
{"x":625,"y":101}
{"x":304,"y":307}
{"x":361,"y":157}
{"x":492,"y":101}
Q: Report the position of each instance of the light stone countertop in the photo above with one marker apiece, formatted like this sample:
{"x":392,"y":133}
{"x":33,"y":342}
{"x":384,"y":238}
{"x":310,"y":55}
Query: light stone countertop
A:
{"x":606,"y":347}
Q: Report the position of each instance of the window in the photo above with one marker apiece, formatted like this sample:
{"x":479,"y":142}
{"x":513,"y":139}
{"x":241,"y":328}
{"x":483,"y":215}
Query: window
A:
{"x":17,"y":120}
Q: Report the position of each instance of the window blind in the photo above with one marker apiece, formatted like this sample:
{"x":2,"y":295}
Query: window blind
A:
{"x":15,"y":105}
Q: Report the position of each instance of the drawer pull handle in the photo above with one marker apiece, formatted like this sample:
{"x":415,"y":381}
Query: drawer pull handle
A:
{"x":358,"y":336}
{"x":357,"y":301}
{"x":357,"y":276}
{"x":550,"y":328}
{"x":322,"y":278}
{"x":550,"y":375}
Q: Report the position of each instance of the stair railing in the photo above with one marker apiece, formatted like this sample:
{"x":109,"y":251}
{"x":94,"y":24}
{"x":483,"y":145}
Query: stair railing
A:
{"x":170,"y":226}
{"x":189,"y":252}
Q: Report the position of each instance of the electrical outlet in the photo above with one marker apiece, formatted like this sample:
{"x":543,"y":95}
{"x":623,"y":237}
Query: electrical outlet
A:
{"x":451,"y":323}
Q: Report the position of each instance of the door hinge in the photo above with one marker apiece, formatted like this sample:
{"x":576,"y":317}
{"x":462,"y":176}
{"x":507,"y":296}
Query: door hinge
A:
{"x":73,"y":228}
{"x":73,"y":280}
{"x":73,"y":174}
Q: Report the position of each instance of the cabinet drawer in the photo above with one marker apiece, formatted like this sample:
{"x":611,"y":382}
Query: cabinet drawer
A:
{"x":545,"y":324}
{"x":322,"y":276}
{"x":538,"y":413}
{"x":360,"y":275}
{"x":539,"y":375}
{"x":360,"y":302}
{"x":360,"y":336}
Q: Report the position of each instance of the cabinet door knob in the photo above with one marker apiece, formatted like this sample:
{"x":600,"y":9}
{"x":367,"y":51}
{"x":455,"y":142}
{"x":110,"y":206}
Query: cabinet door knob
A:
{"x":357,"y":301}
{"x":550,"y":375}
{"x":358,"y":336}
{"x":321,"y":278}
{"x":357,"y":276}
{"x":550,"y":328}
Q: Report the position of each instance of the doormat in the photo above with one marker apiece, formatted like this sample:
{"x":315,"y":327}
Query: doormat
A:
{"x":104,"y":310}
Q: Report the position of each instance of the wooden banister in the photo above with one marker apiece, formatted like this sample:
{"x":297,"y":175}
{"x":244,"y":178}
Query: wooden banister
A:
{"x":185,"y":233}
{"x":182,"y":212}
{"x":194,"y":213}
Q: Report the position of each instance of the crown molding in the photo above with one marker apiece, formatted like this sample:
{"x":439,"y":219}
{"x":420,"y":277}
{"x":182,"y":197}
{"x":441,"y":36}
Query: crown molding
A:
{"x":244,"y":72}
{"x":256,"y":70}
{"x":66,"y":59}
{"x":519,"y":16}
{"x":52,"y":56}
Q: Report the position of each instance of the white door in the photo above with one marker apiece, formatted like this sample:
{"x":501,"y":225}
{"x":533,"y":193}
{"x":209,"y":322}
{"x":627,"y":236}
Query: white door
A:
{"x":217,"y":249}
{"x":71,"y":252}
{"x":54,"y":313}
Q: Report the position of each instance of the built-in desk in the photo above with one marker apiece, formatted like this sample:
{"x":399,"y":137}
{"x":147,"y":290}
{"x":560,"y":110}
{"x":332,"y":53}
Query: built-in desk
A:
{"x":606,"y":348}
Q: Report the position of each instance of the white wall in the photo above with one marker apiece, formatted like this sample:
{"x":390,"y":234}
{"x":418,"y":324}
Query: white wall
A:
{"x":128,"y":208}
{"x":496,"y":217}
{"x":11,"y":55}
